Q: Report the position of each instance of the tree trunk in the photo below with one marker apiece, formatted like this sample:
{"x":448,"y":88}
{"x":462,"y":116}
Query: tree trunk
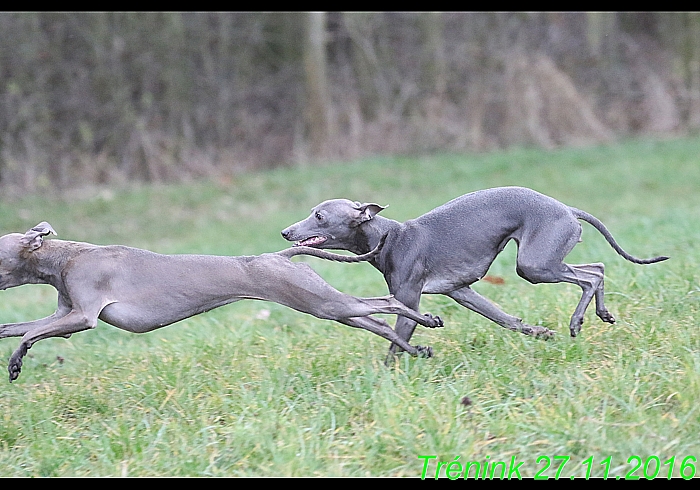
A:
{"x":435,"y":68}
{"x":693,"y":64}
{"x":318,"y":105}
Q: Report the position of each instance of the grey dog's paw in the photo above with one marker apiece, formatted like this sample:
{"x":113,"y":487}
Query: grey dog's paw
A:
{"x":434,"y":321}
{"x":424,"y":351}
{"x":606,"y":316}
{"x":575,"y":326}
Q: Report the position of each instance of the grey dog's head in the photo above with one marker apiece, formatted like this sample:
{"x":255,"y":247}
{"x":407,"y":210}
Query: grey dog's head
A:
{"x":15,"y":252}
{"x":332,"y":224}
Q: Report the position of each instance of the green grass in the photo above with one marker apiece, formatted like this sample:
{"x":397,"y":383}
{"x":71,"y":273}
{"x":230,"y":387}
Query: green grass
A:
{"x":238,"y":392}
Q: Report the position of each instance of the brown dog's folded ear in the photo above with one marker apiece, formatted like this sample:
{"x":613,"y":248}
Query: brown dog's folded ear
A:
{"x":368,"y":210}
{"x":33,"y":239}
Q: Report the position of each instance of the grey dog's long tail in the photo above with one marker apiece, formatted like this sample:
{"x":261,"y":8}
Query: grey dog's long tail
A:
{"x":322,"y":254}
{"x":589,"y":218}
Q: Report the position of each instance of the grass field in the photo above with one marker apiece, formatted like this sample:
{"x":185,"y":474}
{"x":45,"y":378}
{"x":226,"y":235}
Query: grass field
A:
{"x":257,"y":389}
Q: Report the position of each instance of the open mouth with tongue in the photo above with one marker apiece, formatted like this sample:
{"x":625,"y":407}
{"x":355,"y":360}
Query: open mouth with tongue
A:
{"x":311,"y":242}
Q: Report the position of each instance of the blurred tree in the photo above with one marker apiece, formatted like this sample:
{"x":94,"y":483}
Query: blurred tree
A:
{"x":318,"y":102}
{"x":110,"y":97}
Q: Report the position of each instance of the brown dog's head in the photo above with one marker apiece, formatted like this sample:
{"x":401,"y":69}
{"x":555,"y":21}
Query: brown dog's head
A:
{"x":15,"y":254}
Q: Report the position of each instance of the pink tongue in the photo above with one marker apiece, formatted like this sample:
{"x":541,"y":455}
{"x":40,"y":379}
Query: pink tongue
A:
{"x":310,"y":242}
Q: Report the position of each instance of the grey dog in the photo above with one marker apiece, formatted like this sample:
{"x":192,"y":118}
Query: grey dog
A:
{"x":451,"y":247}
{"x":139,"y":291}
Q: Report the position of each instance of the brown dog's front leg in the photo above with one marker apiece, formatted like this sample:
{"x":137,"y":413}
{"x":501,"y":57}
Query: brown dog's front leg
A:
{"x":69,"y":324}
{"x":20,"y":329}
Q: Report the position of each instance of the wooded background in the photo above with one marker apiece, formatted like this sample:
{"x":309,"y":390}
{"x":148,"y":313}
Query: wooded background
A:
{"x":112,"y":97}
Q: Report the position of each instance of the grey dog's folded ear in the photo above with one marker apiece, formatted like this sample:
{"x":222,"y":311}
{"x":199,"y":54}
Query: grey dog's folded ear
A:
{"x":33,"y":239}
{"x":368,"y":210}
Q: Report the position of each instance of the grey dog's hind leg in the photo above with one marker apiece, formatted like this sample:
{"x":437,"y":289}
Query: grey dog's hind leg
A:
{"x":541,"y":260}
{"x":589,"y":277}
{"x":598,"y":269}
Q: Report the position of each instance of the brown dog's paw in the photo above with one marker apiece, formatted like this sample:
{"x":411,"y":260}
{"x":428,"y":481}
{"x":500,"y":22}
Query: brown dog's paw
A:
{"x":434,"y":321}
{"x":424,"y":351}
{"x":538,"y":332}
{"x":14,"y":368}
{"x":545,"y":334}
{"x":15,"y":365}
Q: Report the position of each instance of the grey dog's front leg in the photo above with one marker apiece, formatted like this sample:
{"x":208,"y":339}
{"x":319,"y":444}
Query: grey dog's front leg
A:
{"x":469,"y":298}
{"x":405,"y":326}
{"x":404,"y":329}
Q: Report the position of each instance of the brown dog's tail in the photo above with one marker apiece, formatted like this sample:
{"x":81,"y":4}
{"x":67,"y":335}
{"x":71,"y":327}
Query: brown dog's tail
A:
{"x":598,"y":225}
{"x":322,"y":254}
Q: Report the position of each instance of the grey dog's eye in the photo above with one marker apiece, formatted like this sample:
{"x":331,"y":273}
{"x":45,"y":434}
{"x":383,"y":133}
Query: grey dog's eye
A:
{"x":319,"y":216}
